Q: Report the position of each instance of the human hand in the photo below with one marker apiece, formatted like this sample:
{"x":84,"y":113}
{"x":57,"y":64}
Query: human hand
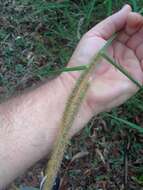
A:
{"x":109,"y":87}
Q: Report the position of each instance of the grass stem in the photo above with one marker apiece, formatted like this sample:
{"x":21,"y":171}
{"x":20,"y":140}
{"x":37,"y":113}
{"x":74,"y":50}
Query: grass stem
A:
{"x":121,"y":69}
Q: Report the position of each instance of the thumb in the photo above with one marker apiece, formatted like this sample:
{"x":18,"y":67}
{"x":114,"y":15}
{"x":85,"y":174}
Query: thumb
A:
{"x":112,"y":24}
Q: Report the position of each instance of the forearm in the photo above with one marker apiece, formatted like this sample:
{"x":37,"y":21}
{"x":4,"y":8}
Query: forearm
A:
{"x":29,"y":125}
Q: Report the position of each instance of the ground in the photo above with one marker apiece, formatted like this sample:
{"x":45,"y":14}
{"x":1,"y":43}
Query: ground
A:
{"x":37,"y":36}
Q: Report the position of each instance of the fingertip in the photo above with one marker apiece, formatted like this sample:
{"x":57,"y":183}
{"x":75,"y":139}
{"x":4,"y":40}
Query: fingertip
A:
{"x":125,"y":10}
{"x":127,"y":7}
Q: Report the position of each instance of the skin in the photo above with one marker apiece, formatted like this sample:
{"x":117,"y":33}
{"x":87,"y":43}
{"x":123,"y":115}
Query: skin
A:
{"x":29,"y":123}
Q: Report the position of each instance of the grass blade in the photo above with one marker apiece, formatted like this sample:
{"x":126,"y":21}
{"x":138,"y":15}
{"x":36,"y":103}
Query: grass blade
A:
{"x":141,"y":11}
{"x":120,"y":68}
{"x":90,"y":11}
{"x":44,"y":72}
{"x":127,"y":123}
{"x":109,"y":7}
{"x":134,"y":5}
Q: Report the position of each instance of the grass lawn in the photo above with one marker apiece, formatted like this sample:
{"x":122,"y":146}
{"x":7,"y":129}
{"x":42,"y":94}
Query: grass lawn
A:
{"x":37,"y":36}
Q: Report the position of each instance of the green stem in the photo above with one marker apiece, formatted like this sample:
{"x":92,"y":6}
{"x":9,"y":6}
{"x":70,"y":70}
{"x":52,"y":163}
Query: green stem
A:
{"x":127,"y":123}
{"x":120,"y":68}
{"x":65,"y":69}
{"x":109,"y":7}
{"x":141,"y":11}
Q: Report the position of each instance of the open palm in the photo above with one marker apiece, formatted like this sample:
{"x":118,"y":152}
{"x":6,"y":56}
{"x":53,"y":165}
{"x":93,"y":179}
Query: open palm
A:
{"x":110,"y":87}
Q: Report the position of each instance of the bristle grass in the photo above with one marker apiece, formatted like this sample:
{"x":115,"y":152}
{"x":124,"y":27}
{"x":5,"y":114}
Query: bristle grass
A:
{"x":69,"y":115}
